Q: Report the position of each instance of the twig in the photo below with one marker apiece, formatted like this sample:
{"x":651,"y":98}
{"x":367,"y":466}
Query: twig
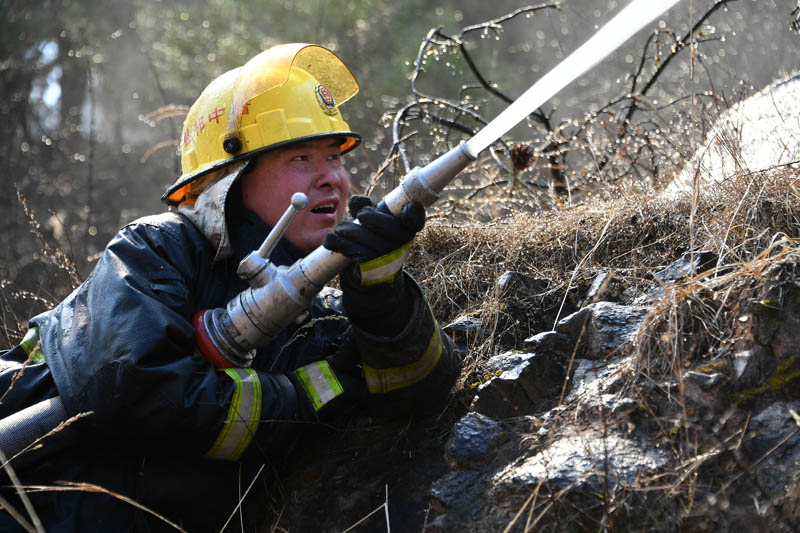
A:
{"x":680,"y":45}
{"x":521,"y":509}
{"x":381,"y":506}
{"x":386,"y":508}
{"x":539,"y":517}
{"x":12,"y":475}
{"x":53,"y":431}
{"x":239,"y":504}
{"x":69,"y":486}
{"x":16,"y":515}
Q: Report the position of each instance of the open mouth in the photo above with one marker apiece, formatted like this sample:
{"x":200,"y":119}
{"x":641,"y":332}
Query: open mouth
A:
{"x":326,"y":209}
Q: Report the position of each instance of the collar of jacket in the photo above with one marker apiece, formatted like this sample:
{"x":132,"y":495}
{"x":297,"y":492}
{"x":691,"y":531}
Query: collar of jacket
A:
{"x":220,"y":215}
{"x":208,"y":212}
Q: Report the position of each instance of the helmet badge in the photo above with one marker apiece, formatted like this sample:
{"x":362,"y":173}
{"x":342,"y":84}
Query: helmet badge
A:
{"x":325,"y":100}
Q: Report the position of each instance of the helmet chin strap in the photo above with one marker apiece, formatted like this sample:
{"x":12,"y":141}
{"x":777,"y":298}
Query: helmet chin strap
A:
{"x":249,"y":165}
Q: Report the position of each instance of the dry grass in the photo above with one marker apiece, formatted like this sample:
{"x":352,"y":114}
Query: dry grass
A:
{"x":459,"y":263}
{"x":39,"y":285}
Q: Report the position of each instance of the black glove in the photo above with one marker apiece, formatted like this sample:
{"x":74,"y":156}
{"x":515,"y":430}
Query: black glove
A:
{"x":380,"y":241}
{"x":329,"y":387}
{"x":375,"y":298}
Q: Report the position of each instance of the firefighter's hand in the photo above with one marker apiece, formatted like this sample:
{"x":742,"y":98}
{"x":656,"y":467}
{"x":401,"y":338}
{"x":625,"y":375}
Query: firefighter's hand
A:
{"x":329,"y":387}
{"x":375,"y":297}
{"x":379,"y":242}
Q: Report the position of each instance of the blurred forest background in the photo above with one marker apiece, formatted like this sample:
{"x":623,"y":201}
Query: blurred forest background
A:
{"x":94,"y":93}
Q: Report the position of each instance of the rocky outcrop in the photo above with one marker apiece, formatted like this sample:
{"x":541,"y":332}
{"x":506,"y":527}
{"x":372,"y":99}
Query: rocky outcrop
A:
{"x":593,"y":425}
{"x":677,"y":410}
{"x":579,"y":423}
{"x":554,"y":447}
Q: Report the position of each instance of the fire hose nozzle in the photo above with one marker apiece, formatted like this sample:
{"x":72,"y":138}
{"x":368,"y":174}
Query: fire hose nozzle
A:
{"x":424,"y":184}
{"x":227,"y":337}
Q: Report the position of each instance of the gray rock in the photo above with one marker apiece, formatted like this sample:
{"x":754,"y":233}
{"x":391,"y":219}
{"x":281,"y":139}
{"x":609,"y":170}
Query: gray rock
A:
{"x":525,"y":384}
{"x":688,"y":265}
{"x":609,"y":409}
{"x":774,"y":437}
{"x":594,"y":378}
{"x":584,"y":461}
{"x":751,"y":365}
{"x":467,"y":331}
{"x":456,"y":491}
{"x":602,"y":328}
{"x":785,"y":312}
{"x":599,"y":288}
{"x":700,"y":388}
{"x":506,"y":361}
{"x":705,"y":381}
{"x":473,"y":442}
{"x":514,"y":281}
{"x":575,"y":326}
{"x":651,"y":295}
{"x":588,"y":379}
{"x":550,"y":342}
{"x":776,"y":419}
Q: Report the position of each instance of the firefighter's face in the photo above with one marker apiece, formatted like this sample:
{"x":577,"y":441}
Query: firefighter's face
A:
{"x":314,"y":168}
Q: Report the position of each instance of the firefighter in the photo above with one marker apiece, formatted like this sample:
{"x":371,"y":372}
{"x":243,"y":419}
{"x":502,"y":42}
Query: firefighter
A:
{"x":167,"y":428}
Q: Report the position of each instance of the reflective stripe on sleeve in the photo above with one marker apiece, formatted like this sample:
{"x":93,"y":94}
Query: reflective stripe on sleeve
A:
{"x":382,"y":380}
{"x":320,"y":383}
{"x":243,"y":416}
{"x":384,"y":268}
{"x":30,"y":343}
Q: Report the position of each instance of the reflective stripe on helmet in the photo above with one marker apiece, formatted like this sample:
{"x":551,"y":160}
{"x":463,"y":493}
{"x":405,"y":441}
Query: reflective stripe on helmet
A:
{"x":319,"y":382}
{"x":382,"y":380}
{"x":384,"y":268}
{"x":30,"y":343}
{"x":243,"y":416}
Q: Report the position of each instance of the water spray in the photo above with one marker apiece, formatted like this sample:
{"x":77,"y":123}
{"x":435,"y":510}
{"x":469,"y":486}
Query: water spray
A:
{"x":616,"y":31}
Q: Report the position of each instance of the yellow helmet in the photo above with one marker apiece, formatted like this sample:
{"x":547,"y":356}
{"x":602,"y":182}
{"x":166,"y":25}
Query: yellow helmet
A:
{"x":286,"y":94}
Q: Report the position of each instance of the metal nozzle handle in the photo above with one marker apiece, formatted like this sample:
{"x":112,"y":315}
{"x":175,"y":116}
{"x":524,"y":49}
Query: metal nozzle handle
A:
{"x":299,"y":202}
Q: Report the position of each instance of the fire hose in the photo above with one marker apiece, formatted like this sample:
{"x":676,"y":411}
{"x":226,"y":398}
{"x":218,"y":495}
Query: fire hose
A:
{"x":279,"y":296}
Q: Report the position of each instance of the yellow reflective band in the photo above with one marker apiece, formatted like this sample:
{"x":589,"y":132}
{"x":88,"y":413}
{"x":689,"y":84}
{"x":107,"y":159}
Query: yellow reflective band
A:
{"x":30,"y":343}
{"x":319,"y":382}
{"x":243,"y":416}
{"x":384,"y":268}
{"x":382,"y":380}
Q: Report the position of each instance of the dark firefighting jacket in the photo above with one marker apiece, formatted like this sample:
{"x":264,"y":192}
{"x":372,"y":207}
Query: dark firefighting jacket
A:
{"x":122,"y":347}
